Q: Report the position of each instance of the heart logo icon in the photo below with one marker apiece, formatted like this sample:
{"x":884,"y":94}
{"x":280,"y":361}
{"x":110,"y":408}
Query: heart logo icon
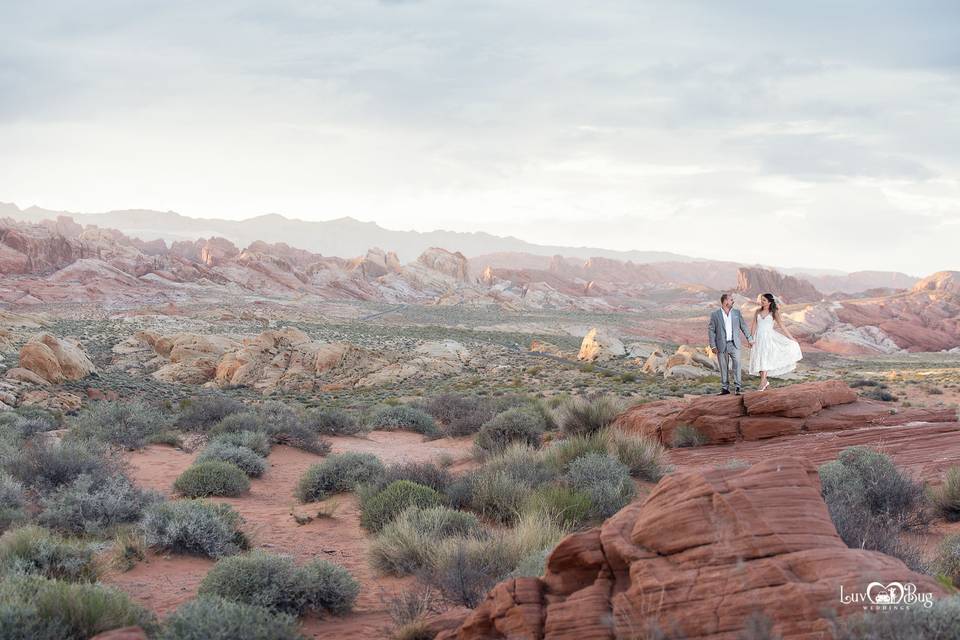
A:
{"x":879,"y":593}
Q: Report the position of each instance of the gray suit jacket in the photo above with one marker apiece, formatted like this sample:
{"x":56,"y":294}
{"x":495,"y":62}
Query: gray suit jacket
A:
{"x":718,"y":334}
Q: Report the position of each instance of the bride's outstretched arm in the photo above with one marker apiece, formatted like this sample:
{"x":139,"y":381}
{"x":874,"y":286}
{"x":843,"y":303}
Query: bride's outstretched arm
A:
{"x":782,"y":326}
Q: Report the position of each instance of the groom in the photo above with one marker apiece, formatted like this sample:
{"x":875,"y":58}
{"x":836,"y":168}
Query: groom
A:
{"x":726,"y":323}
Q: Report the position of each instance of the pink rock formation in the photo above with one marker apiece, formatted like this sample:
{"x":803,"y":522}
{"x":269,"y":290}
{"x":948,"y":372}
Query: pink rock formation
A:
{"x":698,"y":557}
{"x":752,"y":281}
{"x":756,"y":415}
{"x":55,"y":360}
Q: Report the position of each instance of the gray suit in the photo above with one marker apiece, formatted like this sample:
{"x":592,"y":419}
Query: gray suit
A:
{"x":728,"y":347}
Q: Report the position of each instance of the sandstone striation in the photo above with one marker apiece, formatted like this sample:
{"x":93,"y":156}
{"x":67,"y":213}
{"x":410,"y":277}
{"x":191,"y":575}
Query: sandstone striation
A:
{"x":741,"y":541}
{"x":55,"y":360}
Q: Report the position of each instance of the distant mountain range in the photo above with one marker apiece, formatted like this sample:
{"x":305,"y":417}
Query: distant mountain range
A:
{"x":342,"y":237}
{"x":347,"y":237}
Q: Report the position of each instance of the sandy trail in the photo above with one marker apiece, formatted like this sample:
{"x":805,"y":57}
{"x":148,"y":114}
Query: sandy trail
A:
{"x":163,"y":582}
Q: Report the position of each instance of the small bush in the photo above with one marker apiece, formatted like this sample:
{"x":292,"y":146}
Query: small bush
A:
{"x":127,"y":424}
{"x":946,"y":497}
{"x":256,"y":441}
{"x":276,"y":583}
{"x":939,"y":622}
{"x":687,"y":435}
{"x":879,"y":393}
{"x":287,"y":425}
{"x":44,"y":465}
{"x":566,"y":507}
{"x":405,"y":417}
{"x":334,"y":422}
{"x":203,"y":412}
{"x":35,"y":550}
{"x":424,"y":473}
{"x":465,"y":569}
{"x":532,"y":565}
{"x":460,"y":415}
{"x":212,"y":478}
{"x":947,"y":562}
{"x":237,"y":423}
{"x":871,"y":502}
{"x":194,"y":526}
{"x":38,"y":608}
{"x":337,"y":474}
{"x":645,"y":457}
{"x":863,"y":382}
{"x":407,"y":544}
{"x":589,"y":415}
{"x":248,"y":460}
{"x":90,"y":506}
{"x":167,"y":437}
{"x":510,"y":427}
{"x":13,"y":500}
{"x":381,"y":508}
{"x":605,"y":480}
{"x":213,"y":618}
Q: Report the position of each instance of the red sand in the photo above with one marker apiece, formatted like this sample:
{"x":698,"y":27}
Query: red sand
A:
{"x":163,"y":582}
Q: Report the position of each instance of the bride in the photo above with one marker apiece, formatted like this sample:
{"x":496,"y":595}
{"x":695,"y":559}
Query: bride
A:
{"x":773,"y":354}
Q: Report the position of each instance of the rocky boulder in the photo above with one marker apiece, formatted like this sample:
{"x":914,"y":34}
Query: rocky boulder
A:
{"x":752,"y":281}
{"x":698,"y":557}
{"x":812,"y":406}
{"x":598,"y":345}
{"x":687,"y":362}
{"x":452,"y":264}
{"x":55,"y":360}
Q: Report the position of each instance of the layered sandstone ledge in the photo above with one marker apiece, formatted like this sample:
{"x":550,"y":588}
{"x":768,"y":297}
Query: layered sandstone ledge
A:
{"x":812,"y":406}
{"x":698,"y":557}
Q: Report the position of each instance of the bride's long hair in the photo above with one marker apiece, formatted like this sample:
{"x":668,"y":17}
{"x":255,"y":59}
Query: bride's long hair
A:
{"x":774,"y":307}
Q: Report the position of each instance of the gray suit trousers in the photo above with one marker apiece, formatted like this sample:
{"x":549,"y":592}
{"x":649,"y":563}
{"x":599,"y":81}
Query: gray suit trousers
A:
{"x":730,"y":355}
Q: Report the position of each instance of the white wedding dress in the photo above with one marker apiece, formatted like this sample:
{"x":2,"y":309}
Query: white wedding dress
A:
{"x":773,"y":352}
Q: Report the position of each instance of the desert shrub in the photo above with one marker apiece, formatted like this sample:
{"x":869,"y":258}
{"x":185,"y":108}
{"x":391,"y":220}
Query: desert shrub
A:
{"x":245,"y":420}
{"x":168,"y":437}
{"x":566,"y":507}
{"x":203,"y":412}
{"x":382,"y":507}
{"x":947,"y":561}
{"x":500,"y":488}
{"x":25,"y":423}
{"x":129,"y":548}
{"x":407,"y":544}
{"x":589,"y":415}
{"x":645,"y":457}
{"x":91,"y":506}
{"x":38,"y":608}
{"x":212,"y":478}
{"x":460,"y":415}
{"x":560,"y":453}
{"x":424,"y":473}
{"x":256,"y":441}
{"x":405,"y":417}
{"x":863,"y":382}
{"x":871,"y":502}
{"x":465,"y":569}
{"x":43,"y":464}
{"x":275,"y":582}
{"x":338,"y":473}
{"x":13,"y":500}
{"x":194,"y":526}
{"x":35,"y":550}
{"x":946,"y":497}
{"x":334,"y":422}
{"x":410,"y":611}
{"x":531,"y":534}
{"x":329,"y":587}
{"x":287,"y":425}
{"x":687,"y":435}
{"x":879,"y":393}
{"x":252,"y":463}
{"x":532,"y":565}
{"x":512,"y":426}
{"x":126,"y":424}
{"x":939,"y":622}
{"x":213,"y":618}
{"x":606,"y":481}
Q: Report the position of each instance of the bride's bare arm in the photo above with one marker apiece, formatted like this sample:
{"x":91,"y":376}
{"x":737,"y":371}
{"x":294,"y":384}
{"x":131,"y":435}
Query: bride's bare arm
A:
{"x":782,"y":326}
{"x":753,"y":323}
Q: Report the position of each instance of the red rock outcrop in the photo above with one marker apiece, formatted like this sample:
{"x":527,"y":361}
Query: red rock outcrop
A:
{"x":449,"y":263}
{"x":701,"y":554}
{"x":752,"y":281}
{"x":812,"y":406}
{"x":55,"y":360}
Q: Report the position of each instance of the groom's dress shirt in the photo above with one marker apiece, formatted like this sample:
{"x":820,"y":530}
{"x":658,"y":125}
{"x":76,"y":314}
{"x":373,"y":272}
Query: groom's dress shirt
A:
{"x":728,"y":324}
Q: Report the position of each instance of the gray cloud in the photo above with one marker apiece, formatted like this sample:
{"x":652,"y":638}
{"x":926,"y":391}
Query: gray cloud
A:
{"x":634,"y":125}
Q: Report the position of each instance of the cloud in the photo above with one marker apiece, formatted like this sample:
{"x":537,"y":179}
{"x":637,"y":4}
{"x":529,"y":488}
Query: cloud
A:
{"x":630,"y":125}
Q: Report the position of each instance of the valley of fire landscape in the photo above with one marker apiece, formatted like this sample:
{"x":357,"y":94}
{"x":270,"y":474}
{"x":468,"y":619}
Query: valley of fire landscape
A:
{"x":239,"y":433}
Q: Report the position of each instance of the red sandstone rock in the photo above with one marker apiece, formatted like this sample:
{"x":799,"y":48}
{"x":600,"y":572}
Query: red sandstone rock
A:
{"x":703,"y":552}
{"x":812,"y":406}
{"x":752,"y":281}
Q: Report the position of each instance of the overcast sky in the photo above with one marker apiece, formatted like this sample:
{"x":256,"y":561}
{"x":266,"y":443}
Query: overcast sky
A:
{"x":786,"y":133}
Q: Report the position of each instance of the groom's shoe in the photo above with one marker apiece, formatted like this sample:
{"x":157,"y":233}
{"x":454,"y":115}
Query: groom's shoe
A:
{"x":725,"y":392}
{"x":738,"y":391}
